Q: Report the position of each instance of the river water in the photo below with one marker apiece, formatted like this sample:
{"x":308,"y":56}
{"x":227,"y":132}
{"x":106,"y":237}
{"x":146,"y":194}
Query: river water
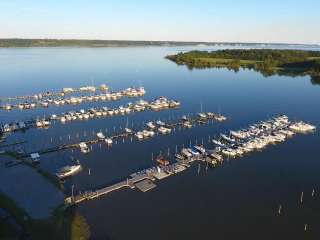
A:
{"x":239,"y":199}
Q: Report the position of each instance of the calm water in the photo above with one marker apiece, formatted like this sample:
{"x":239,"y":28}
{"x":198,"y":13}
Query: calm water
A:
{"x":238,"y":199}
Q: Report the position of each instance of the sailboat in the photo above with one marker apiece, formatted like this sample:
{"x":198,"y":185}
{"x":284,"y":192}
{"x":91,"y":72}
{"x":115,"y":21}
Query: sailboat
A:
{"x":202,"y":115}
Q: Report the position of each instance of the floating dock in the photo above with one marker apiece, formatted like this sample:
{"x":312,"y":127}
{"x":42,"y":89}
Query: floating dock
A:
{"x":144,"y":179}
{"x":74,"y":100}
{"x":119,"y":135}
{"x":92,"y":113}
{"x":88,"y":195}
{"x":63,"y":92}
{"x":145,"y":185}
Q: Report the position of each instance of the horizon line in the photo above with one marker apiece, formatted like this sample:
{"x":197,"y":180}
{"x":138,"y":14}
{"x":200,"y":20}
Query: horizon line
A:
{"x":159,"y":41}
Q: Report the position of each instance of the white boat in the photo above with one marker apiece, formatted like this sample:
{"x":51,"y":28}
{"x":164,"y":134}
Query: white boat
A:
{"x":45,"y":123}
{"x":160,"y":123}
{"x":179,"y":157}
{"x":139,"y":135}
{"x":63,"y":119}
{"x":39,"y":124}
{"x":164,"y":130}
{"x":122,"y":110}
{"x":202,"y":115}
{"x":287,"y":132}
{"x":104,"y":87}
{"x":238,"y":134}
{"x":110,"y":112}
{"x":201,"y":149}
{"x":147,"y":133}
{"x":84,"y":148}
{"x":151,"y":125}
{"x":128,"y":130}
{"x":174,"y":104}
{"x":8,"y":107}
{"x":228,"y":139}
{"x":187,"y":124}
{"x":100,"y":135}
{"x":218,"y":143}
{"x":68,"y":171}
{"x":220,"y":118}
{"x":217,"y":156}
{"x":210,"y":114}
{"x":127,"y":110}
{"x":109,"y":141}
{"x":194,"y":152}
{"x":151,"y":133}
{"x":184,"y":118}
{"x":302,"y":127}
{"x":185,"y":152}
{"x":229,"y":152}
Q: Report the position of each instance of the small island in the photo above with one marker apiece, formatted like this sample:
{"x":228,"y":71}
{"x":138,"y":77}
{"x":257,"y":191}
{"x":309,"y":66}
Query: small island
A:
{"x":266,"y":61}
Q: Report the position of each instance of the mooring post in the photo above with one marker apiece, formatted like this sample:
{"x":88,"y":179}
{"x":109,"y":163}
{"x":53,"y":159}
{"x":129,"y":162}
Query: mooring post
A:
{"x":301,"y":198}
{"x":280,"y":209}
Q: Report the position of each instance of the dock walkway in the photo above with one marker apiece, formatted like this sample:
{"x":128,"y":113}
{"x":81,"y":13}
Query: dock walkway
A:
{"x":88,"y":195}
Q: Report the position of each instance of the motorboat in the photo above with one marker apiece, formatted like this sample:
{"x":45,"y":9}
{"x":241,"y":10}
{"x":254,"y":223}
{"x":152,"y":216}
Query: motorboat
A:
{"x":185,"y":152}
{"x":151,"y":125}
{"x":164,"y":130}
{"x":68,"y":171}
{"x":84,"y":148}
{"x":202,"y":115}
{"x":100,"y":135}
{"x":200,"y":149}
{"x":128,"y":130}
{"x":108,"y":141}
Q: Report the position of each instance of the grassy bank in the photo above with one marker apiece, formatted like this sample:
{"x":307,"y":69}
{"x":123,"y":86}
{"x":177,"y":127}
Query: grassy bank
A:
{"x":50,"y":177}
{"x":64,"y":224}
{"x":7,"y":230}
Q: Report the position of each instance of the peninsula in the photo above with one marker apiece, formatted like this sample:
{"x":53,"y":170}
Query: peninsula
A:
{"x":266,"y":61}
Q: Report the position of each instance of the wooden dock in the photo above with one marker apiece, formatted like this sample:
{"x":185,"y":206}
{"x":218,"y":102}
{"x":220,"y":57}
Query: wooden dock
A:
{"x":49,"y":94}
{"x":89,"y":195}
{"x":113,"y":137}
{"x":143,"y":180}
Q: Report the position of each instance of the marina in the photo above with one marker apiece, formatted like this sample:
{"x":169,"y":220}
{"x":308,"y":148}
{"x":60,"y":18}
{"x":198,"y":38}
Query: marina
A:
{"x":63,"y":92}
{"x":142,"y":134}
{"x":230,"y":175}
{"x":44,"y":101}
{"x":254,"y":138}
{"x":158,"y":104}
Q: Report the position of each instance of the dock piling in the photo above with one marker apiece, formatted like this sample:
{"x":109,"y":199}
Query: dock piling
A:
{"x":280,"y":209}
{"x":301,"y":198}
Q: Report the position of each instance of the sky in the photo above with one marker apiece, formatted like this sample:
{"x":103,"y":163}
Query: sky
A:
{"x":272,"y":21}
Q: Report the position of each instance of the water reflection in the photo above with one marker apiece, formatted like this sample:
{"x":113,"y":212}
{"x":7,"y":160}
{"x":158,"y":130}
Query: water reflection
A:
{"x":228,"y":201}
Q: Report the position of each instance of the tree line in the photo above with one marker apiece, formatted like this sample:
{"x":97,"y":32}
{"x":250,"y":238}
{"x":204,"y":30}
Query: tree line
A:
{"x":267,"y":61}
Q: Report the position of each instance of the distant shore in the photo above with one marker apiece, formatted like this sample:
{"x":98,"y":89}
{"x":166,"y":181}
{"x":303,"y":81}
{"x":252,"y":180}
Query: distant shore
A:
{"x":17,"y":42}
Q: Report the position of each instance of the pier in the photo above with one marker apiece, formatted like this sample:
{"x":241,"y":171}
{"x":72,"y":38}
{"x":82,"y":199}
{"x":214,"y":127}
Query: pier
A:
{"x":199,"y":153}
{"x":124,"y":134}
{"x":92,"y":113}
{"x":45,"y":102}
{"x":63,"y":92}
{"x":143,"y":180}
{"x":88,"y":195}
